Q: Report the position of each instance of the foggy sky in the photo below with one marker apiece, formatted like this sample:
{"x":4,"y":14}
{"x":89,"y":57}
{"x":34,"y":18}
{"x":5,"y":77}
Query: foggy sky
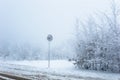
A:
{"x":31,"y":20}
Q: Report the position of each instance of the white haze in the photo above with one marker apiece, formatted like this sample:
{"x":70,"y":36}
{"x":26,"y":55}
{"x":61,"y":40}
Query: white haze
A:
{"x":29,"y":21}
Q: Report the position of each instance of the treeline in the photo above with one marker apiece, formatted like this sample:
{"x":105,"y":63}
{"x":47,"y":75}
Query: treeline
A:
{"x":19,"y":52}
{"x":26,"y":51}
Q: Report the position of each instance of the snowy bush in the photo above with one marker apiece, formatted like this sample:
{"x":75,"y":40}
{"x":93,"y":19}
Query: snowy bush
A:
{"x":98,"y":42}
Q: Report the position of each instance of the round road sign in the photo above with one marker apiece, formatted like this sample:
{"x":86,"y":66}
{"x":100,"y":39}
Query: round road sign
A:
{"x":49,"y":37}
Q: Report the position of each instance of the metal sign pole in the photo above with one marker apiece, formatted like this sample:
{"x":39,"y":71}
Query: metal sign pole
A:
{"x":49,"y":38}
{"x":48,"y":54}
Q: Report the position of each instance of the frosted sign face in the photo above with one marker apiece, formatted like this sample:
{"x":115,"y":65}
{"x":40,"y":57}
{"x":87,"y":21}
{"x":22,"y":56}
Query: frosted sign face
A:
{"x":49,"y":37}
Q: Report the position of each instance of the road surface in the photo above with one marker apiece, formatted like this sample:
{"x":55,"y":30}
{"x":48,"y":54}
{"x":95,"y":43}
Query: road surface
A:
{"x":17,"y":72}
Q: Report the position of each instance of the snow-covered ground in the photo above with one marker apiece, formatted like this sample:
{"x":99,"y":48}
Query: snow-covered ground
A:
{"x":59,"y":67}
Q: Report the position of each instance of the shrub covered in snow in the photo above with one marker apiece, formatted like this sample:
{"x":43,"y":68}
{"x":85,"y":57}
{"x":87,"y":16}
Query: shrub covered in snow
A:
{"x":98,"y":42}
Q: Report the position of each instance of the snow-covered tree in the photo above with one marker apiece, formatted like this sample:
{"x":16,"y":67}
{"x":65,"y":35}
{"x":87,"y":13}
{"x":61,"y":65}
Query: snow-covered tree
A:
{"x":98,"y":42}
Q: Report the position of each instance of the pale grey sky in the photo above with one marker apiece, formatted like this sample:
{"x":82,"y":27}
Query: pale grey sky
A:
{"x":31,"y":20}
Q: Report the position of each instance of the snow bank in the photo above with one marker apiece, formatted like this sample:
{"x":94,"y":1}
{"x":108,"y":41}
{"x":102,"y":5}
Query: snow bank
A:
{"x":64,"y":67}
